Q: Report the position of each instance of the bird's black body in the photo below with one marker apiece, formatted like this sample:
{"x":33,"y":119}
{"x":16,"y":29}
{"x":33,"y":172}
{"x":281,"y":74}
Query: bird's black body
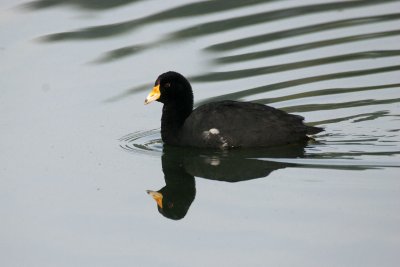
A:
{"x":223,"y":124}
{"x":228,"y":124}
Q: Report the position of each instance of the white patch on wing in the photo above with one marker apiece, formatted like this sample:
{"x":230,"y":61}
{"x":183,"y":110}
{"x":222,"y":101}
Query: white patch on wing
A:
{"x":214,"y":135}
{"x":208,"y":134}
{"x":214,"y":131}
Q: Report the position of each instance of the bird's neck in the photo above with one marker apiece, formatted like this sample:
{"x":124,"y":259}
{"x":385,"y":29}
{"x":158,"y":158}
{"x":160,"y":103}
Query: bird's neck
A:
{"x":172,"y":120}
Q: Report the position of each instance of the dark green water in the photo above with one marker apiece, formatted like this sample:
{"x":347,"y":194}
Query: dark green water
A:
{"x":79,"y":149}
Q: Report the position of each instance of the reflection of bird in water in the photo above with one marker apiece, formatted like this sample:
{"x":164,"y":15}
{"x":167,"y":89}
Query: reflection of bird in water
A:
{"x":175,"y":198}
{"x":224,"y":124}
{"x":180,"y":165}
{"x":238,"y":164}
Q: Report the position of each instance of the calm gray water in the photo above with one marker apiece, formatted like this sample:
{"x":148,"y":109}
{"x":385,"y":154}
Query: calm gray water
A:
{"x":79,"y":149}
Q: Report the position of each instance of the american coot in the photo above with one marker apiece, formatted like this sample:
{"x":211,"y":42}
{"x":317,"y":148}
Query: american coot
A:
{"x":222,"y":124}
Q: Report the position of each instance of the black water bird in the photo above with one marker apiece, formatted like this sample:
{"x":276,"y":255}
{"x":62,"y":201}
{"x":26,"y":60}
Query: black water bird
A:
{"x":222,"y":124}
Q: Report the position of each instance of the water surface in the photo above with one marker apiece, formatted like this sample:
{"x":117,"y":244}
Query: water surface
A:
{"x":79,"y":149}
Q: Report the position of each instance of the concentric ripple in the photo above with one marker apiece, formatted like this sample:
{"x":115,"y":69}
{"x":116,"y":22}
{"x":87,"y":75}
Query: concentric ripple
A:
{"x":146,"y":142}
